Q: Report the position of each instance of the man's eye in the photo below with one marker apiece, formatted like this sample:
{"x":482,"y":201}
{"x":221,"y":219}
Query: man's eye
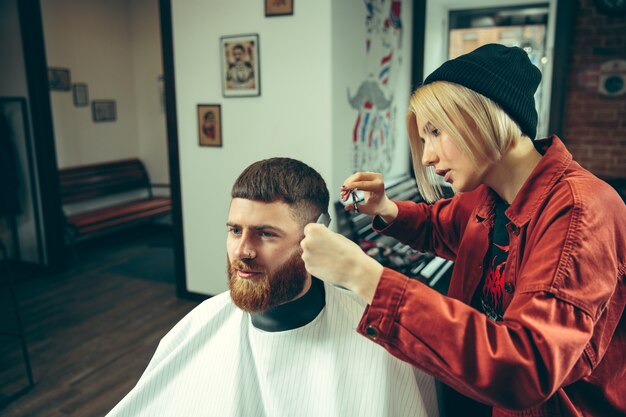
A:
{"x":234,"y":230}
{"x":267,"y":234}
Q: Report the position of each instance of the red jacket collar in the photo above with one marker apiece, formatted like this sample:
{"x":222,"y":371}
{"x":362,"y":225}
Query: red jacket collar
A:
{"x":556,"y":159}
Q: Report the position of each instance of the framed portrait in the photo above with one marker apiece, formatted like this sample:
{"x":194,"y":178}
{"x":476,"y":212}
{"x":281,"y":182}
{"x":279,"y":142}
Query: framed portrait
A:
{"x":278,"y":8}
{"x":210,"y":125}
{"x":80,"y":95}
{"x":104,"y":110}
{"x":59,"y":79}
{"x":240,"y":66}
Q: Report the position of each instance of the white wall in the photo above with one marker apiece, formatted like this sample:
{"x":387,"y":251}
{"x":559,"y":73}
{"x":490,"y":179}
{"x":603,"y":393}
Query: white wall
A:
{"x":145,"y":32}
{"x":114,"y":47}
{"x":292,"y":117}
{"x":308,"y":61}
{"x":92,"y":39}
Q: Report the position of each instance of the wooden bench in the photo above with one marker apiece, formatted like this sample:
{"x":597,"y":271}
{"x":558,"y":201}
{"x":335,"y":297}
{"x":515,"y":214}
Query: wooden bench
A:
{"x":425,"y":267}
{"x":119,"y":193}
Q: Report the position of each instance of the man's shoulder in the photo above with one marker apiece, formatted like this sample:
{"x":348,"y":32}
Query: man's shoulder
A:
{"x":218,"y":307}
{"x":216,"y":303}
{"x":344,"y":297}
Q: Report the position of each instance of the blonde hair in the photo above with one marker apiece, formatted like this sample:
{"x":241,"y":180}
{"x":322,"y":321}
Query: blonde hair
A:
{"x":474,"y":123}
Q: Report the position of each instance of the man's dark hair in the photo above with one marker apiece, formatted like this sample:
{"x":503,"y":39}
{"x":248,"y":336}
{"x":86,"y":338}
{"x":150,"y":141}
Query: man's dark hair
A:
{"x":288,"y":180}
{"x":239,"y":46}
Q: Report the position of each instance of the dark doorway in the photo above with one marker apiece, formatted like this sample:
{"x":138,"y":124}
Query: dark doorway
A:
{"x":40,"y":108}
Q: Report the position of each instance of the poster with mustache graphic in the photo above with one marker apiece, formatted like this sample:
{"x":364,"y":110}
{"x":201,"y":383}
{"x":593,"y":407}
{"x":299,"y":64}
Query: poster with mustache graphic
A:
{"x":374,"y":134}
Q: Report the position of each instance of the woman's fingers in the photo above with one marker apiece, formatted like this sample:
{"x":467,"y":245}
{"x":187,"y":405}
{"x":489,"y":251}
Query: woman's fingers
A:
{"x":366,"y":181}
{"x":335,"y":259}
{"x":362,"y":176}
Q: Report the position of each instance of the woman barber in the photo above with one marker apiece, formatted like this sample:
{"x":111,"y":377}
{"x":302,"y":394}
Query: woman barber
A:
{"x":533,"y":322}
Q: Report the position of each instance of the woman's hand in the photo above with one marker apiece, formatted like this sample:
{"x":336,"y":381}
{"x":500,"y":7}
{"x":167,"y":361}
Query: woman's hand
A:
{"x":376,"y":201}
{"x":337,"y":260}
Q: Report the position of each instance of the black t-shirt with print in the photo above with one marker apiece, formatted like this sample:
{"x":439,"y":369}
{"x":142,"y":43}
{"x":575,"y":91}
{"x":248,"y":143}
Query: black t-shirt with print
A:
{"x":488,"y":296}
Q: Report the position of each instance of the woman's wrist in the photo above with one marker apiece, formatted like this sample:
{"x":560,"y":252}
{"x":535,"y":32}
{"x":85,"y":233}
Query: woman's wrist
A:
{"x":367,"y":282}
{"x":389,"y":213}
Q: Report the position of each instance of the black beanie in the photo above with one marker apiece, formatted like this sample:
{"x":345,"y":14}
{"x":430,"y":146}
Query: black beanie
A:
{"x":503,"y":74}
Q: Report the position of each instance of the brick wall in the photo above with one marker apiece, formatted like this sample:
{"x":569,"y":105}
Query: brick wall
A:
{"x":594,"y":127}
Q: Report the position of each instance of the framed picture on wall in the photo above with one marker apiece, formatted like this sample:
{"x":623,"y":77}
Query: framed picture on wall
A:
{"x":80,"y":95}
{"x":278,"y":8}
{"x":59,"y":79}
{"x":209,"y":125}
{"x":240,"y":66}
{"x":103,"y":110}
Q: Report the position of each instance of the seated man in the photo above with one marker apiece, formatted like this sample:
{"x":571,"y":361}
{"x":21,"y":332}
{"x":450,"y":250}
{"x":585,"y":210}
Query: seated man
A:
{"x":280,"y":342}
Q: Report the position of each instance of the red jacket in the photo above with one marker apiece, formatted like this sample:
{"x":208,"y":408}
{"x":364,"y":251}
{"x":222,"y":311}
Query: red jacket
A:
{"x":561,"y":348}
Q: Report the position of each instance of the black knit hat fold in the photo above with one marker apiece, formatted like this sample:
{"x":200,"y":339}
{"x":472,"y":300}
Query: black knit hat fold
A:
{"x":503,"y":74}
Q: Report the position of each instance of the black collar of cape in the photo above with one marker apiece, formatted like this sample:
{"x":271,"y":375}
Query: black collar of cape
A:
{"x":294,"y":314}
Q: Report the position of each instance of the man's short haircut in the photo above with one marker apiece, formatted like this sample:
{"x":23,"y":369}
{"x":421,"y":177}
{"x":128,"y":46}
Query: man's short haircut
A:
{"x":287,"y":180}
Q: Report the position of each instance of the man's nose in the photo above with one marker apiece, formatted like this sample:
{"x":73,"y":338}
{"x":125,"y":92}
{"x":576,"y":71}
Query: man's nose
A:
{"x":245,"y":248}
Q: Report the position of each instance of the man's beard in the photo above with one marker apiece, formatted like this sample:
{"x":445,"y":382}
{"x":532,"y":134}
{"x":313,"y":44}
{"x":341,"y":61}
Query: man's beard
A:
{"x":270,"y":289}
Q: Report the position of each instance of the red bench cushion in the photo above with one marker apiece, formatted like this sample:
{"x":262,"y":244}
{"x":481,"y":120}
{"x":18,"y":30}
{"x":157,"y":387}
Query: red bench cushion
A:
{"x":95,"y":220}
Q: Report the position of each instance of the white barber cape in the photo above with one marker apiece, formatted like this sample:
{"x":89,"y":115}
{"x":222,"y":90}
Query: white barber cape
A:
{"x":214,"y":362}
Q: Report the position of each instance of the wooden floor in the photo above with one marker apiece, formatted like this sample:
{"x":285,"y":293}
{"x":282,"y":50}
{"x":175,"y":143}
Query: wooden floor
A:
{"x":90,"y":333}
